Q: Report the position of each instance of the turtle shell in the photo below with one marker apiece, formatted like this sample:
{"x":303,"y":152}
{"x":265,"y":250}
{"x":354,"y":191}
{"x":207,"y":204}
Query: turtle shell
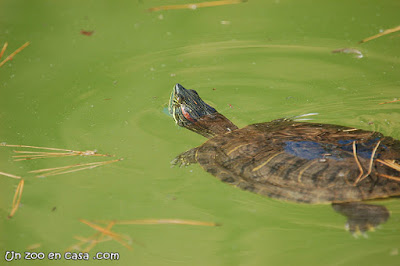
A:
{"x":304,"y":162}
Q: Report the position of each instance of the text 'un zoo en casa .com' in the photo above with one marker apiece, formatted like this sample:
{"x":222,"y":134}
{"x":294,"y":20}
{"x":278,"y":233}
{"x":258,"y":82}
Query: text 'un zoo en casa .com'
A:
{"x":73,"y":256}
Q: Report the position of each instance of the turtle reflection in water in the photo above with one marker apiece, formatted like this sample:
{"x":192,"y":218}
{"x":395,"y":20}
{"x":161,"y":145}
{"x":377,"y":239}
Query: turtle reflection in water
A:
{"x":294,"y":161}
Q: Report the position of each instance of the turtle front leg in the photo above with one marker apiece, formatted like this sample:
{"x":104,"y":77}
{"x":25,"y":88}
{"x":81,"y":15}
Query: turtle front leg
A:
{"x":185,"y":158}
{"x":362,"y":217}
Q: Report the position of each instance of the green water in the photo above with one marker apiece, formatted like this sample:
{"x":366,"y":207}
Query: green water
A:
{"x":108,"y":91}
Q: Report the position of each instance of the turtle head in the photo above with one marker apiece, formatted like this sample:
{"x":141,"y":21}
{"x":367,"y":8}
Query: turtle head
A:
{"x":186,"y":106}
{"x":191,"y":112}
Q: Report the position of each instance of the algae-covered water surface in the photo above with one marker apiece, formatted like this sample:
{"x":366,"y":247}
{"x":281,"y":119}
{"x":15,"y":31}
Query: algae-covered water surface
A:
{"x":95,"y":79}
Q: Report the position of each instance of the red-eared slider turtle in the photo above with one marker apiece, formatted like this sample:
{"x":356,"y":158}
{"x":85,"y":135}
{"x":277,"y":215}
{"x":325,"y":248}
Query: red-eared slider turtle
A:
{"x":295,"y":161}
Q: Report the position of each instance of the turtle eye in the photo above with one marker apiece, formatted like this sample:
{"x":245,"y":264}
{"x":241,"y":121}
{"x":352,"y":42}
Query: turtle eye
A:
{"x":180,"y":99}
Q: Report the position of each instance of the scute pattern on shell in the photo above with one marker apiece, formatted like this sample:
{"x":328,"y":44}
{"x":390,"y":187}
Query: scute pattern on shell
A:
{"x":269,"y":159}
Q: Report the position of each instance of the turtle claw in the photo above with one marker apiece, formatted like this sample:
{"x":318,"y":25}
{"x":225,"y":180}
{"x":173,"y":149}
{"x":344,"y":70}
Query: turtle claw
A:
{"x":356,"y":231}
{"x":179,"y":161}
{"x":357,"y":234}
{"x":362,"y":218}
{"x":359,"y":228}
{"x":185,"y":158}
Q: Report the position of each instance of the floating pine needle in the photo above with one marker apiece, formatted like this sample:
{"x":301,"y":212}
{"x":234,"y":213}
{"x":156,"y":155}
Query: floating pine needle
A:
{"x":370,"y":164}
{"x":105,"y":234}
{"x":115,"y":236}
{"x":10,"y":175}
{"x":99,"y":239}
{"x":29,"y":155}
{"x":163,"y":221}
{"x":390,"y":177}
{"x":77,"y":167}
{"x":390,"y":163}
{"x":102,"y":230}
{"x":33,"y":147}
{"x":383,"y":33}
{"x":92,"y":242}
{"x":17,"y":198}
{"x":395,"y":100}
{"x":350,"y":130}
{"x":196,"y":5}
{"x":3,"y":49}
{"x":33,"y":246}
{"x":357,"y":53}
{"x":83,"y":241}
{"x":41,"y":156}
{"x":87,"y":33}
{"x":358,"y":163}
{"x":82,"y":153}
{"x":11,"y":56}
{"x":91,"y":239}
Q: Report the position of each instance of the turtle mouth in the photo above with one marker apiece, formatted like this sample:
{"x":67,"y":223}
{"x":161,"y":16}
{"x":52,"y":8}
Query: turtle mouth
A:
{"x":175,"y":103}
{"x":174,"y":100}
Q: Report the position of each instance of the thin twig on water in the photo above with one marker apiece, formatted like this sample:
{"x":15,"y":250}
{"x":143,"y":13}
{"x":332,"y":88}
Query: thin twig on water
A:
{"x":383,"y":33}
{"x":390,"y":177}
{"x":10,"y":175}
{"x":11,"y":56}
{"x":390,"y":163}
{"x":3,"y":49}
{"x":60,"y":170}
{"x":17,"y":198}
{"x":115,"y":236}
{"x":197,"y":5}
{"x":370,"y":163}
{"x":357,"y":162}
{"x":31,"y":155}
{"x":100,"y":238}
{"x":396,"y":100}
{"x":163,"y":221}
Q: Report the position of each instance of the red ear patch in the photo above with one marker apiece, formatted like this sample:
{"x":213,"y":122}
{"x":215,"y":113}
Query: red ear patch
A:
{"x":186,"y":114}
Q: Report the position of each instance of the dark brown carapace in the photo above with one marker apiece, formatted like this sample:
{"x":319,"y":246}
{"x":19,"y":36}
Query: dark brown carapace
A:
{"x":294,"y":161}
